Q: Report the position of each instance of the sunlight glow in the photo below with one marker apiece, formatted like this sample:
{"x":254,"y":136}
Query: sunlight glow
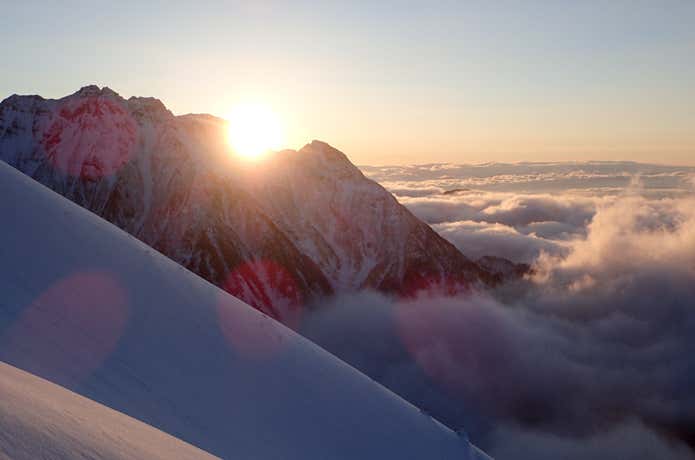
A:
{"x":253,"y":131}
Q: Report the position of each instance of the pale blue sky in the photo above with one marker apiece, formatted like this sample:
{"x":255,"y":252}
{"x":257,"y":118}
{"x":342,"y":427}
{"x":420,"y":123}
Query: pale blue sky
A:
{"x":388,"y":82}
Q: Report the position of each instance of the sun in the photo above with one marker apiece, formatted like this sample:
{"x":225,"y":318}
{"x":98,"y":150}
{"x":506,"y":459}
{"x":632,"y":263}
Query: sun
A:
{"x":253,"y":131}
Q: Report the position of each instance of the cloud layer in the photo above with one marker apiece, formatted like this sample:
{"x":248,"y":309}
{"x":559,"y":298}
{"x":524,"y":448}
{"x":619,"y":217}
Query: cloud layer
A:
{"x":519,"y":211}
{"x":515,"y":226}
{"x":604,"y":177}
{"x":589,"y":358}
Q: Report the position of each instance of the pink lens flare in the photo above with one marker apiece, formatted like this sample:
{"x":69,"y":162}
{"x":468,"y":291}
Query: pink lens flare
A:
{"x":252,"y":337}
{"x":450,"y":340}
{"x":80,"y":319}
{"x":90,"y":137}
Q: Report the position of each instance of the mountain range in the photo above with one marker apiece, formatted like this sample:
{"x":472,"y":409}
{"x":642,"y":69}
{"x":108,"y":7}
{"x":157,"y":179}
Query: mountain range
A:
{"x":280,"y":234}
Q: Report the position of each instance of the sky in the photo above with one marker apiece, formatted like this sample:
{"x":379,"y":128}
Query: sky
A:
{"x":388,"y":82}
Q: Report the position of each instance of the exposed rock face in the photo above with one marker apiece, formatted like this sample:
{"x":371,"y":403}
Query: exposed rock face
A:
{"x":354,"y":229}
{"x":278,"y":234}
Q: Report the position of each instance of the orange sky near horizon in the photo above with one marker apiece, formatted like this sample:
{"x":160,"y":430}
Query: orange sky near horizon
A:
{"x":460,"y":82}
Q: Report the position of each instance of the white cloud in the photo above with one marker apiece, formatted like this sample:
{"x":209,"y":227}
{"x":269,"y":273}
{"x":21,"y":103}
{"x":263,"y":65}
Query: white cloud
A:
{"x":478,"y":239}
{"x":517,"y":227}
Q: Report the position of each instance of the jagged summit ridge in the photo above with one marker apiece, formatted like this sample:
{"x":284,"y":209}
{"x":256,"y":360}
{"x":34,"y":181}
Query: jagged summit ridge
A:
{"x":94,"y":90}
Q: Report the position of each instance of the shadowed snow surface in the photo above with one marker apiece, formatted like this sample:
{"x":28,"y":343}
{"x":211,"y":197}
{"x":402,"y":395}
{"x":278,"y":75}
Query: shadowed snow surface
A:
{"x":91,"y":308}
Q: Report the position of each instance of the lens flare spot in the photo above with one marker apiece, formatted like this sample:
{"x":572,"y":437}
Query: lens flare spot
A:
{"x":250,"y":336}
{"x":71,"y":328}
{"x":450,"y":340}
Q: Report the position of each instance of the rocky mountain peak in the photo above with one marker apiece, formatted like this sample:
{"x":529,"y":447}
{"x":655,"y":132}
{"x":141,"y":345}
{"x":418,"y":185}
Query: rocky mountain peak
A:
{"x":94,"y":90}
{"x":149,"y":107}
{"x":320,"y":157}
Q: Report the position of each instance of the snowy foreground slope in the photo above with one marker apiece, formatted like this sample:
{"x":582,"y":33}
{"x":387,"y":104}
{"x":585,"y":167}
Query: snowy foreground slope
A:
{"x":89,"y":307}
{"x":39,"y":419}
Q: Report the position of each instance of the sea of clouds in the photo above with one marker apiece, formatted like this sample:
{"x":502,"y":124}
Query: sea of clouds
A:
{"x":591,"y":356}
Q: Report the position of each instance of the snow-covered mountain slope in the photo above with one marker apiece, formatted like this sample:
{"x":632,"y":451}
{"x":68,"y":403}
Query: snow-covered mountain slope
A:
{"x":278,"y":234}
{"x":89,"y":307}
{"x":39,"y":419}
